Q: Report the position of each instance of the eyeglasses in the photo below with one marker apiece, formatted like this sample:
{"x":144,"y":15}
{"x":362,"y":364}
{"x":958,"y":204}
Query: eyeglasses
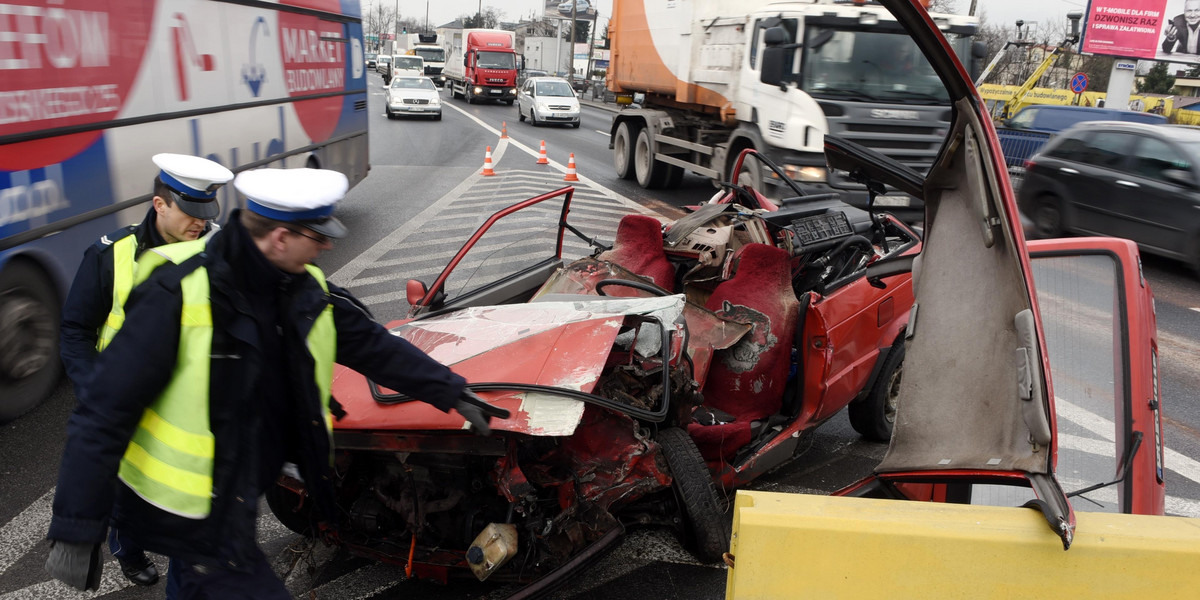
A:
{"x":321,"y":241}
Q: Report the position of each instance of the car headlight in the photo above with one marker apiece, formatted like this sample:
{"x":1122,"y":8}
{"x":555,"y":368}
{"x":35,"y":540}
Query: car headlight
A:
{"x":808,"y":174}
{"x":478,"y":90}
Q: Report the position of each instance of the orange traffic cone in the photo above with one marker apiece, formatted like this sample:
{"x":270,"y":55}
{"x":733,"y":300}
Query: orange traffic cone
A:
{"x":503,"y":130}
{"x":487,"y":163}
{"x":542,"y":159}
{"x":571,"y":176}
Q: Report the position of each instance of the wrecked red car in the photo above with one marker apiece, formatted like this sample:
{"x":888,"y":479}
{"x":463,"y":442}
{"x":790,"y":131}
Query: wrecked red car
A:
{"x":680,"y":361}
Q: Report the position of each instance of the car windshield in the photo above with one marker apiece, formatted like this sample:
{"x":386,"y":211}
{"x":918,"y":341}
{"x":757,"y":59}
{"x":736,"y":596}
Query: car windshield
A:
{"x":371,"y":55}
{"x":497,"y":60}
{"x":432,"y":54}
{"x":408,"y":62}
{"x":553,"y":88}
{"x":413,"y":84}
{"x":869,"y":66}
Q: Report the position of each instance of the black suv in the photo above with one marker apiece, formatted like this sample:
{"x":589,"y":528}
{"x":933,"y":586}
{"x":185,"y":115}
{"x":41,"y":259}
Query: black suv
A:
{"x":1129,"y":180}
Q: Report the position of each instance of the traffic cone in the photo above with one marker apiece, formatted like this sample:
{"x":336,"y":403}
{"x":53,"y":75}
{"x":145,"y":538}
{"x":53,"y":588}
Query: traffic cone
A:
{"x":503,"y":130}
{"x":487,"y":163}
{"x":571,"y":176}
{"x":542,"y":159}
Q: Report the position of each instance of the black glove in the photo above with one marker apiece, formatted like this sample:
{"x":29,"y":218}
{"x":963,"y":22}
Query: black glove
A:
{"x":478,"y":412}
{"x":75,"y":564}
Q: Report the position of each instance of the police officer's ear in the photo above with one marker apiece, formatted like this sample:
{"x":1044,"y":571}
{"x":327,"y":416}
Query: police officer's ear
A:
{"x":160,"y":205}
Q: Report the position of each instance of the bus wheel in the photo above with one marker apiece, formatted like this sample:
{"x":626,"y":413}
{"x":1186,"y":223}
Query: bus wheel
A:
{"x":29,"y":320}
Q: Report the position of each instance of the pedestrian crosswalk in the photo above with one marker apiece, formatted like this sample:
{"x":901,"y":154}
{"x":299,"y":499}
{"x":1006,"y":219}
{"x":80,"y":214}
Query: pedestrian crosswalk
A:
{"x":518,"y":240}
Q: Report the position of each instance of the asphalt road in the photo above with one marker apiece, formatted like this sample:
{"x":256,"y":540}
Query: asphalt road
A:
{"x":402,"y":217}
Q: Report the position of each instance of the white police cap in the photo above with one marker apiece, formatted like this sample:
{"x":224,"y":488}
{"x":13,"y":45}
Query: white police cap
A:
{"x":305,"y":197}
{"x":195,"y":180}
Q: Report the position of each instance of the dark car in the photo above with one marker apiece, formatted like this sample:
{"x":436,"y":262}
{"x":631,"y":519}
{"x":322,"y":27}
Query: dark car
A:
{"x":1119,"y":179}
{"x":1024,"y":134}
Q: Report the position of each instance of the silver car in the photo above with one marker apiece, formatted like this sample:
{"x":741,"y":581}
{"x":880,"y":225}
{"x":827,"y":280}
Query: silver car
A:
{"x":415,"y":96}
{"x":548,"y":100}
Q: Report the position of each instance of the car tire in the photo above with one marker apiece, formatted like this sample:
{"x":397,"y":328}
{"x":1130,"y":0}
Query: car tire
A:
{"x":706,"y":529}
{"x":651,"y":174}
{"x":29,"y":363}
{"x":575,"y":124}
{"x":1048,"y":218}
{"x":874,"y":416}
{"x":520,"y":115}
{"x":437,"y":117}
{"x":290,"y":509}
{"x":623,"y":149}
{"x":533,"y":117}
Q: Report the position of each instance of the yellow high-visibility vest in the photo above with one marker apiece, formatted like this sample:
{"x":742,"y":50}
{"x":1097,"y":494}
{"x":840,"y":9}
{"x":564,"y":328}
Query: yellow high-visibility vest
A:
{"x":169,"y":460}
{"x":124,"y":255}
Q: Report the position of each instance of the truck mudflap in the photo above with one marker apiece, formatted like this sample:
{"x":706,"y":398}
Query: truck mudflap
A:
{"x":866,"y":546}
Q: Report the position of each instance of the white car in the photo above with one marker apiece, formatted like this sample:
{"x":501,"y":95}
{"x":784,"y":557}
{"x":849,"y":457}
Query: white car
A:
{"x":548,"y":100}
{"x":581,"y":6}
{"x":416,"y":96}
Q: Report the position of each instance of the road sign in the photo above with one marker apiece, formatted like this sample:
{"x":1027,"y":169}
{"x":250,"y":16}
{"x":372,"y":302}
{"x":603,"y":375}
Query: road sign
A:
{"x":1079,"y":83}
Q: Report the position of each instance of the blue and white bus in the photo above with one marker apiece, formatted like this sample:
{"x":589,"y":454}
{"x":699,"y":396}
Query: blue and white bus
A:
{"x":91,"y":89}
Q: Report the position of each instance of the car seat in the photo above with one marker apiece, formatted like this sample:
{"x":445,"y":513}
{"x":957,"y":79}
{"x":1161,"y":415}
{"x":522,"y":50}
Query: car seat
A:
{"x":747,"y":381}
{"x":638,"y":247}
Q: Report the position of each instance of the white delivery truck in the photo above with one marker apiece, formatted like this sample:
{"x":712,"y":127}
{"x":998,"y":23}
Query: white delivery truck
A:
{"x":844,"y":68}
{"x":426,"y":46}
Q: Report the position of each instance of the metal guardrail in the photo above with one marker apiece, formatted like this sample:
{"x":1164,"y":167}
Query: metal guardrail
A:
{"x":1019,"y":145}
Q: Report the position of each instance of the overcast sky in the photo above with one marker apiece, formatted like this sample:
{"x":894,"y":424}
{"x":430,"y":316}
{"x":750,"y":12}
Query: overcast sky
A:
{"x":999,"y":11}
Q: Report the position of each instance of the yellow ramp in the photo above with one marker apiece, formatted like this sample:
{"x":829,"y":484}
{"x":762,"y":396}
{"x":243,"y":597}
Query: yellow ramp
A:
{"x":803,"y":546}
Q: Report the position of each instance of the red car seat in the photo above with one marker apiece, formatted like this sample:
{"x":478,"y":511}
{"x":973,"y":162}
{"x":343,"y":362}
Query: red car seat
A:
{"x":638,"y":247}
{"x":747,"y":380}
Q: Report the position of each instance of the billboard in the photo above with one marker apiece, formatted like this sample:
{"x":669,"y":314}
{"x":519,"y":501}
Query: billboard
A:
{"x":1166,"y":30}
{"x":585,"y":10}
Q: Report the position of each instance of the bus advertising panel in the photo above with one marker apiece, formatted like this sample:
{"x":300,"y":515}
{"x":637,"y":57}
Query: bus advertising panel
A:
{"x":89,"y":91}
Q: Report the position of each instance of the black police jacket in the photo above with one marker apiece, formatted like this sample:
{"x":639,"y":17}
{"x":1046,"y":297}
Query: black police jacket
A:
{"x":137,"y":366}
{"x":90,"y":299}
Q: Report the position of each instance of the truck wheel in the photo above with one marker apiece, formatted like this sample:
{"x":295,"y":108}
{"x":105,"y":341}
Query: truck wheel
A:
{"x":750,"y":175}
{"x":706,"y":529}
{"x":650,"y":173}
{"x":874,"y":416}
{"x":29,"y":320}
{"x":468,"y":95}
{"x":623,"y":150}
{"x":454,"y":93}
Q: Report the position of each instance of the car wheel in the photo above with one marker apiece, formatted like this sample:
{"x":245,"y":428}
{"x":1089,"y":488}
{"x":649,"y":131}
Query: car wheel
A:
{"x":30,"y":313}
{"x":520,"y":115}
{"x":1048,"y":218}
{"x":623,"y":150}
{"x":706,"y":529}
{"x":533,"y":117}
{"x":291,"y":509}
{"x":437,"y":117}
{"x":650,"y":173}
{"x":575,"y":124}
{"x":874,"y":416}
{"x":388,"y":111}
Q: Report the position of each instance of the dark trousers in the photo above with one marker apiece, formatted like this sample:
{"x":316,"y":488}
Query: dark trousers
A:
{"x":197,"y":582}
{"x":122,"y":547}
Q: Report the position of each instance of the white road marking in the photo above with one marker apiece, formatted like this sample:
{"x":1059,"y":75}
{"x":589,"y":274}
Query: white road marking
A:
{"x":25,"y":531}
{"x":603,"y":133}
{"x":1194,"y":308}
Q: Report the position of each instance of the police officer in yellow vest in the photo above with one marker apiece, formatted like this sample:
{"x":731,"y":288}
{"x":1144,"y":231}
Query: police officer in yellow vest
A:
{"x":184,"y":202}
{"x":220,"y":374}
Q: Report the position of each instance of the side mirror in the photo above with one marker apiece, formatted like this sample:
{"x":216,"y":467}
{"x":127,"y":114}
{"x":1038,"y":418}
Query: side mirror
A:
{"x":774,"y":59}
{"x":415,"y":291}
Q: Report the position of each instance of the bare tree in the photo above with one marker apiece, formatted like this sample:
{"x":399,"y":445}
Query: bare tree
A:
{"x":378,"y":21}
{"x":488,"y":19}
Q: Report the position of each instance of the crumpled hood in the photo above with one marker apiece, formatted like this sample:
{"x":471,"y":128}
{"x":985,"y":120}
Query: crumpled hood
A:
{"x":563,"y":344}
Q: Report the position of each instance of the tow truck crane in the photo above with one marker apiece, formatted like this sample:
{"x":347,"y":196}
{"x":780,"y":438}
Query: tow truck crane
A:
{"x":1011,"y":104}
